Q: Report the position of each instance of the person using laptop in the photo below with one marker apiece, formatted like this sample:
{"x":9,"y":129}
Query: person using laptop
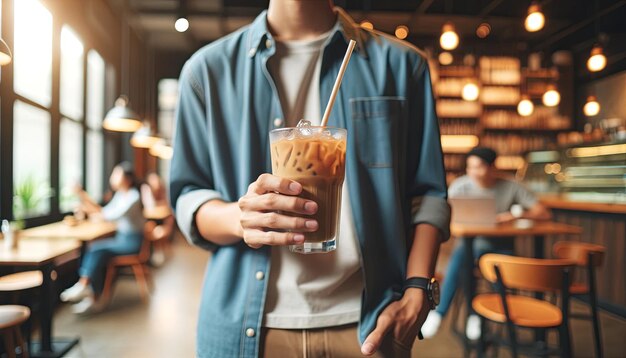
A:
{"x":482,"y":181}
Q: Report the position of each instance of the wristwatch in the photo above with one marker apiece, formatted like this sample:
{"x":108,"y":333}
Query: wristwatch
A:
{"x":429,"y":285}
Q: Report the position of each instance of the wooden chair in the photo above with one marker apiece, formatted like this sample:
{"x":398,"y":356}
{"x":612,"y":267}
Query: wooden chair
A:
{"x":588,"y":257}
{"x":137,"y":262}
{"x":11,"y":317}
{"x":514,"y":310}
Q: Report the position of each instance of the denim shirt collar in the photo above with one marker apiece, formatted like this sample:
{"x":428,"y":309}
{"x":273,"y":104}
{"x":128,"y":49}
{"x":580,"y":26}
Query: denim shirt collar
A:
{"x":259,"y":36}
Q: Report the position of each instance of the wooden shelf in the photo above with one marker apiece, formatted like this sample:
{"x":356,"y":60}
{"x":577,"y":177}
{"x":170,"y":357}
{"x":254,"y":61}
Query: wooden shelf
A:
{"x":457,"y":71}
{"x":544,"y":73}
{"x":534,"y":130}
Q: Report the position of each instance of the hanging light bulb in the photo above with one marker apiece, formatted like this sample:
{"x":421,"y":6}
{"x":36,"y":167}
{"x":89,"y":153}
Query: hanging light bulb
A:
{"x":143,"y":137}
{"x":535,"y":19}
{"x":483,"y":30}
{"x":181,"y":24}
{"x":367,"y":25}
{"x":5,"y":53}
{"x":597,"y":60}
{"x":551,"y":97}
{"x":592,"y":107}
{"x":121,"y":118}
{"x":525,"y":107}
{"x":402,"y":32}
{"x":161,"y":149}
{"x":449,"y":39}
{"x":445,"y":58}
{"x":470,"y":91}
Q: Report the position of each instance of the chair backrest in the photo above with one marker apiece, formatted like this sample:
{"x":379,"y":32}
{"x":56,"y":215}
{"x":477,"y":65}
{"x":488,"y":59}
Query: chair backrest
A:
{"x":144,"y":251}
{"x":525,"y":273}
{"x":579,"y":252}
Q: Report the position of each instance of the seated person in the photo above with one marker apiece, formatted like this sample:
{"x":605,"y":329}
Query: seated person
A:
{"x":482,"y":180}
{"x":125,"y":209}
{"x":153,"y":192}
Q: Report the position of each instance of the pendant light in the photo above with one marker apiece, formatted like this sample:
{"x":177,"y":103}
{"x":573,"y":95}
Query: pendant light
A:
{"x":597,"y":60}
{"x":144,"y":137}
{"x":121,"y":118}
{"x":446,"y":58}
{"x":449,"y":39}
{"x":525,"y":107}
{"x":535,"y":20}
{"x":162,"y":149}
{"x":5,"y":53}
{"x":181,"y":24}
{"x":592,"y":107}
{"x":402,"y":32}
{"x":470,"y":91}
{"x":552,"y":97}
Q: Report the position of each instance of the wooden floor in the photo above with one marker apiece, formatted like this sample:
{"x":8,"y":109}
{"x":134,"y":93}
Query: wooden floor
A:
{"x":165,"y":327}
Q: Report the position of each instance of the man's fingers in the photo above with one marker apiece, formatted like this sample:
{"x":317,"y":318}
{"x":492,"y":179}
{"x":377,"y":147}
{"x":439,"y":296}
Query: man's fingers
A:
{"x":271,"y":183}
{"x":258,"y":238}
{"x":278,"y":202}
{"x":277,"y":221}
{"x":375,"y":339}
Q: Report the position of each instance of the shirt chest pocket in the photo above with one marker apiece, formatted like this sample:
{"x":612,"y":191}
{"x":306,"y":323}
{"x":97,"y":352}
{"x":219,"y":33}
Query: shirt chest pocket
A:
{"x":375,"y":121}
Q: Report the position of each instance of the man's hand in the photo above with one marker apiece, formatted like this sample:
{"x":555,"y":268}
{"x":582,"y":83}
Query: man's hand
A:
{"x":402,"y":319}
{"x":260,"y":220}
{"x":505,"y":217}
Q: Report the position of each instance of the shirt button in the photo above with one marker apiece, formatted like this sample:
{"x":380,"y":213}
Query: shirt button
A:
{"x":250,"y":332}
{"x":252,"y":52}
{"x":260,"y":275}
{"x":268,"y":43}
{"x":278,"y":122}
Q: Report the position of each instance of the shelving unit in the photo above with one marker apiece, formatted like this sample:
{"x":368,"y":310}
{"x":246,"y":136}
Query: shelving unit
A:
{"x":493,"y":118}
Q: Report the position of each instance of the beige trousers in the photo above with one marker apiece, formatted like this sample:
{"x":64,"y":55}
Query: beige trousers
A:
{"x":333,"y":342}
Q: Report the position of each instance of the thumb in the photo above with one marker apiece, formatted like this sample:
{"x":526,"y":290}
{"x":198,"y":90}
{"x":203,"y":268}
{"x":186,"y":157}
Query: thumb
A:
{"x":374,"y":340}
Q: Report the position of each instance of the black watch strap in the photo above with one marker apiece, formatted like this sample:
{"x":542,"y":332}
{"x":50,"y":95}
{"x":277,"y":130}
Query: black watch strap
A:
{"x":416,"y":282}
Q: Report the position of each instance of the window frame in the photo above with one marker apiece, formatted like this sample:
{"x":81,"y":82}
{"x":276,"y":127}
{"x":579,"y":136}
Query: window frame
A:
{"x":8,"y":96}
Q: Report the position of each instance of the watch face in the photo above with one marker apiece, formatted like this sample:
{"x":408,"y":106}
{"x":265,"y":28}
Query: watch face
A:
{"x":434,"y":289}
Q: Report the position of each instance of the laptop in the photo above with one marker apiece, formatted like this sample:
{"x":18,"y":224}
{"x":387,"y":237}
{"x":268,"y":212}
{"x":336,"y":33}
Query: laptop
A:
{"x":473,"y":210}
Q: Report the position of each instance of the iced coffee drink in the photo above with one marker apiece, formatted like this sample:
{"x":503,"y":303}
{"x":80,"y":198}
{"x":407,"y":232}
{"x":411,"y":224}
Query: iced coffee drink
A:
{"x":315,"y":158}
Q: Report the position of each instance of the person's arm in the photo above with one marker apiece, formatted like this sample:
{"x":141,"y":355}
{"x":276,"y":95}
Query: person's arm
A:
{"x":87,"y":204}
{"x":204,"y":217}
{"x":431,"y":216}
{"x":120,"y":205}
{"x":533,"y":209}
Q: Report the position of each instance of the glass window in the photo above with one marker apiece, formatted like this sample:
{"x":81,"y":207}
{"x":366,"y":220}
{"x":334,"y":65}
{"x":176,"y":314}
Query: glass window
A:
{"x":31,"y":161}
{"x":70,"y":163}
{"x":95,"y":164}
{"x":95,"y":90}
{"x":168,"y":95}
{"x":72,"y":91}
{"x":95,"y":115}
{"x":33,"y":51}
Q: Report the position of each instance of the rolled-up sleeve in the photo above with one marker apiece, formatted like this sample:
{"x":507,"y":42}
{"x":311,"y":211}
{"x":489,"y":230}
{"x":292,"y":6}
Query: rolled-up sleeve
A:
{"x":427,"y":176}
{"x":191,"y":180}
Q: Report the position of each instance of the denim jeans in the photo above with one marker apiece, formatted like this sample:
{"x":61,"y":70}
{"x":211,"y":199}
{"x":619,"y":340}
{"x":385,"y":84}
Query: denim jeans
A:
{"x":480,"y":246}
{"x":99,"y":253}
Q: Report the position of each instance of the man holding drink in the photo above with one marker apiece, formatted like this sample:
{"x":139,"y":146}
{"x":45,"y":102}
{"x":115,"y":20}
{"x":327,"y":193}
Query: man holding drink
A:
{"x":375,"y":234}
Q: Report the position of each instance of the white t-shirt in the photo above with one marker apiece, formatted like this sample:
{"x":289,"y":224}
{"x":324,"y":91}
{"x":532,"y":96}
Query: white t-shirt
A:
{"x":319,"y":290}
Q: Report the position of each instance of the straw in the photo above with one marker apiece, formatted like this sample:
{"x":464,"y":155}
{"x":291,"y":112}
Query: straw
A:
{"x":333,"y":94}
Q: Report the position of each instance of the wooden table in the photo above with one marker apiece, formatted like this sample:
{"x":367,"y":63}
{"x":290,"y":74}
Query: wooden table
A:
{"x":83,"y":231}
{"x":539,"y":230}
{"x":43,"y":255}
{"x":157,"y":213}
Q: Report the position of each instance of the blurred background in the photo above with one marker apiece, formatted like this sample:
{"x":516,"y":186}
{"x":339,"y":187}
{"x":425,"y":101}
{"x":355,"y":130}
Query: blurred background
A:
{"x":86,"y":84}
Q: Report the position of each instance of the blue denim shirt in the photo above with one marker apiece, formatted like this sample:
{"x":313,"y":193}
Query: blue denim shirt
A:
{"x":394,"y":167}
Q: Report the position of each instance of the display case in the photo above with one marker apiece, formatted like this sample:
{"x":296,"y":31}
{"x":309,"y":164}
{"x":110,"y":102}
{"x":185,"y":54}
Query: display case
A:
{"x":591,"y":173}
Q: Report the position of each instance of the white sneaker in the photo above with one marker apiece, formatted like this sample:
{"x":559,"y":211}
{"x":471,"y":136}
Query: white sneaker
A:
{"x":472,"y":329}
{"x":86,"y":305}
{"x":431,"y":325}
{"x":76,"y":293}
